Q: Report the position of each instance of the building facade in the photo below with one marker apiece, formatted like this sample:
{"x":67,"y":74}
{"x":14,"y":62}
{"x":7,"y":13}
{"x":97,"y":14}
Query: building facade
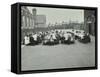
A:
{"x":31,"y":21}
{"x":27,"y":18}
{"x":89,"y":21}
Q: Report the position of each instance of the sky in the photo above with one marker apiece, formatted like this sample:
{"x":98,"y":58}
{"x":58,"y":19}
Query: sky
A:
{"x":58,"y":15}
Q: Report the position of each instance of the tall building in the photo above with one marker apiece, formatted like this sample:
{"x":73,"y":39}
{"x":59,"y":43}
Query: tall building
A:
{"x":89,"y":21}
{"x":39,"y":20}
{"x":34,"y":12}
